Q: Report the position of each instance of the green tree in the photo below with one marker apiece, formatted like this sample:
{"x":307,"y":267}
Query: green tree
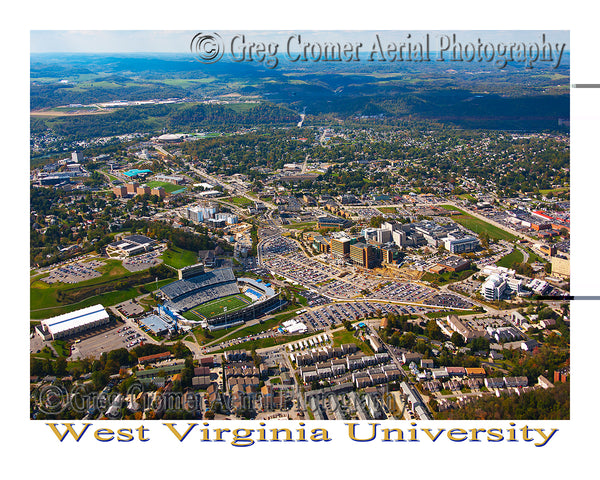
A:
{"x":457,"y":339}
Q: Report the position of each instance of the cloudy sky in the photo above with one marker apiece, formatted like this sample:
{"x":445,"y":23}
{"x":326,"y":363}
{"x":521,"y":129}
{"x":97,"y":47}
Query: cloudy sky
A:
{"x":129,"y":41}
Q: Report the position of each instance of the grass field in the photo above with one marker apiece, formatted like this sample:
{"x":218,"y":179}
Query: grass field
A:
{"x":203,"y":337}
{"x":44,"y":295}
{"x":512,"y":257}
{"x":179,"y":258}
{"x":217,"y":307}
{"x":340,"y":337}
{"x":169,"y":187}
{"x":106,"y":299}
{"x":240,"y":201}
{"x":300,"y":225}
{"x":444,"y":313}
{"x":387,"y":209}
{"x":467,"y":196}
{"x":266,"y":342}
{"x":479,"y":226}
{"x":554,"y":190}
{"x":447,"y":277}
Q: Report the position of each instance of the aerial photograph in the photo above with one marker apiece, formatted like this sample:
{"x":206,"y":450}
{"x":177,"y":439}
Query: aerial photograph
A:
{"x":300,"y":225}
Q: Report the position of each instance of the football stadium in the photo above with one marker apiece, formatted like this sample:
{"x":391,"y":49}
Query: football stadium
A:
{"x":217,"y":299}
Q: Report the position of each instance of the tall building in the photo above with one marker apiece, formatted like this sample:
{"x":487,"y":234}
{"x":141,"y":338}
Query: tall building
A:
{"x":456,"y":243}
{"x":388,"y":254}
{"x":561,"y":266}
{"x":384,"y":236}
{"x":340,"y":247}
{"x":132,"y":188}
{"x":120,"y":191}
{"x":494,"y":287}
{"x":199,"y":213}
{"x":76,"y":157}
{"x":144,"y":190}
{"x":229,"y":218}
{"x":159,"y":192}
{"x":363,"y":255}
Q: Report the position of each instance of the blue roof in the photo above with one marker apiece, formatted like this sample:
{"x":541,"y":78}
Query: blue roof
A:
{"x":134,"y":172}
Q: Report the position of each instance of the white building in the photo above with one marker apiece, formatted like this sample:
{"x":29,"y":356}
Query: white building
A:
{"x":494,"y":287}
{"x":74,"y":322}
{"x":455,"y":243}
{"x":500,"y":281}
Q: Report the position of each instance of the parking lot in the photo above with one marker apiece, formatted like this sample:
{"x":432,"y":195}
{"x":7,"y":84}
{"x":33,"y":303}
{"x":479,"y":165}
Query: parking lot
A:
{"x":105,"y":340}
{"x":449,"y":300}
{"x":143,"y":261}
{"x":74,"y":272}
{"x":335,"y":314}
{"x":130,"y":308}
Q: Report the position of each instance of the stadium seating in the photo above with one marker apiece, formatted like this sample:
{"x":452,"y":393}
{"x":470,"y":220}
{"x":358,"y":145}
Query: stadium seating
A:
{"x":190,"y":292}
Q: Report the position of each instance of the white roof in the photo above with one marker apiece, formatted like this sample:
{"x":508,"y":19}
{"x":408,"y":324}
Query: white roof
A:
{"x":299,"y":327}
{"x":170,"y":136}
{"x":75,"y":319}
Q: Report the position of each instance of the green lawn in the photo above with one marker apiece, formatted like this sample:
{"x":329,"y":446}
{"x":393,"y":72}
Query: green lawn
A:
{"x":534,"y":257}
{"x":240,"y":201}
{"x":344,"y":336}
{"x":387,"y":209}
{"x":258,"y":328}
{"x":554,"y":190}
{"x":479,"y":226}
{"x":444,"y":313}
{"x":203,"y":337}
{"x":44,"y":295}
{"x":300,"y":225}
{"x":467,"y":196}
{"x":106,"y":299}
{"x":513,"y":257}
{"x":179,"y":258}
{"x":217,"y":307}
{"x":61,"y":348}
{"x":169,"y":187}
{"x":447,"y":277}
{"x":266,"y":342}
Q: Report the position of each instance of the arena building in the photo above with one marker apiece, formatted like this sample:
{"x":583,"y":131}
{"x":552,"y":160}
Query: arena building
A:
{"x":130,"y":245}
{"x":73,"y":323}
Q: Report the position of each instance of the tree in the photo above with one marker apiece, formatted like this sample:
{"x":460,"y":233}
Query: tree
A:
{"x":180,"y":350}
{"x":484,"y":239}
{"x":256,"y":358}
{"x":60,"y":367}
{"x":407,"y":340}
{"x":99,"y":379}
{"x":457,"y":339}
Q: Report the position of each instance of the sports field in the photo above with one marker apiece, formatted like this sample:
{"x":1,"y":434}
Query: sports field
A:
{"x":217,"y":307}
{"x":169,"y":187}
{"x":478,"y":226}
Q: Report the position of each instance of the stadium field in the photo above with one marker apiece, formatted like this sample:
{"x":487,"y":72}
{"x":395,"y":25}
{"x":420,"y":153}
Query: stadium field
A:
{"x":217,"y":307}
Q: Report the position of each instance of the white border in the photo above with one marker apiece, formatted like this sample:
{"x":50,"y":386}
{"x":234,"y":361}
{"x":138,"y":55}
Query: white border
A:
{"x":571,"y":447}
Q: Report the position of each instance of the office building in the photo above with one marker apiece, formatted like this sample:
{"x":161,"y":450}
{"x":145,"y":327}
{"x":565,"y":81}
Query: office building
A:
{"x":132,"y":188}
{"x":460,"y":243}
{"x":120,"y":191}
{"x":363,"y":255}
{"x":340,"y":247}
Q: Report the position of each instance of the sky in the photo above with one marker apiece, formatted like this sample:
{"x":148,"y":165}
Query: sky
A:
{"x":173,"y":41}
